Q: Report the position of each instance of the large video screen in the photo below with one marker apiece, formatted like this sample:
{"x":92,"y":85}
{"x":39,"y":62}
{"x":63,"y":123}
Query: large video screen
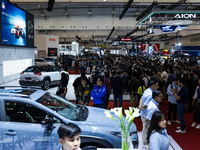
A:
{"x":16,"y":26}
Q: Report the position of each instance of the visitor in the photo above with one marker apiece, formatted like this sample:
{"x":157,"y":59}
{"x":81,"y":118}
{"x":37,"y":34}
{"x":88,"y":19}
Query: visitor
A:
{"x":99,"y":94}
{"x":69,"y":136}
{"x":157,"y":136}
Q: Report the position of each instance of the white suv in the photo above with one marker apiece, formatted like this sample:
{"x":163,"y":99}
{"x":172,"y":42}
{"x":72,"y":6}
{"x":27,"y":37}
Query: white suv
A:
{"x":44,"y":76}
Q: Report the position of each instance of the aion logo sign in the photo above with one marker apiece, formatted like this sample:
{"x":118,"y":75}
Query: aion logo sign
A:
{"x":185,"y":16}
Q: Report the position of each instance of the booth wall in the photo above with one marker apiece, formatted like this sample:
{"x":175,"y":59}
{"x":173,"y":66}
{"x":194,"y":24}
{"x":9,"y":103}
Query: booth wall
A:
{"x":14,"y":60}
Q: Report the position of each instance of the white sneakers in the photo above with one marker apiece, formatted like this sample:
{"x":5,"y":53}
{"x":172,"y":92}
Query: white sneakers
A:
{"x":180,"y":131}
{"x":169,"y":122}
{"x":194,"y":124}
{"x":184,"y":131}
{"x":198,"y":126}
{"x":145,"y":146}
{"x":176,"y":121}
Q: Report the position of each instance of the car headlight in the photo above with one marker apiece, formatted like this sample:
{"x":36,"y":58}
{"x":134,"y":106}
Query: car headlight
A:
{"x":118,"y":134}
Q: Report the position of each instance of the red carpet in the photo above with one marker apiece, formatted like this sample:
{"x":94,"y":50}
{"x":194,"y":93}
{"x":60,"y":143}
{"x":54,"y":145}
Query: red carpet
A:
{"x":188,"y":141}
{"x":73,"y":72}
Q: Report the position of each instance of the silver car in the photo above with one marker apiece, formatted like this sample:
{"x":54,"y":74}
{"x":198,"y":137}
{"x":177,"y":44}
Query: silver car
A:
{"x":30,"y":118}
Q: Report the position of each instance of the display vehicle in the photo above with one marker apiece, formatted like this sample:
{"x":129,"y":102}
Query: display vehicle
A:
{"x":30,"y":118}
{"x":43,"y":75}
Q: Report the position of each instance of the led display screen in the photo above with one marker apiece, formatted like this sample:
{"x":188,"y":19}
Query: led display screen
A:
{"x":168,"y":28}
{"x":17,"y":26}
{"x":173,"y":28}
{"x":52,"y":51}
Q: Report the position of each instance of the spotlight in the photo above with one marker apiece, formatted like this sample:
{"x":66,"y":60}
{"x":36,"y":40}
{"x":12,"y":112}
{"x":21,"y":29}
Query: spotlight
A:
{"x":89,"y":12}
{"x":113,"y":11}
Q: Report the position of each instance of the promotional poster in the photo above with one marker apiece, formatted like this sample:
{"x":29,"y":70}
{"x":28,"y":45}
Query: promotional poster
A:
{"x":13,"y":24}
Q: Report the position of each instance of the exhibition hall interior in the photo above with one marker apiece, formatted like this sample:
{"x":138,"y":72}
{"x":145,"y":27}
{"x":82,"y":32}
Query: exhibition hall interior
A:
{"x":85,"y":62}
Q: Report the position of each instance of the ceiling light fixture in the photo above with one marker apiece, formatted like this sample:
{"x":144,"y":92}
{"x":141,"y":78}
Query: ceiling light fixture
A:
{"x":137,"y":12}
{"x":66,"y":12}
{"x":89,"y":12}
{"x":113,"y":11}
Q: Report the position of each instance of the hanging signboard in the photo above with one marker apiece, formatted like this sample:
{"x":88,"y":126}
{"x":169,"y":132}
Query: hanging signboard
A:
{"x":126,"y":39}
{"x":185,"y":16}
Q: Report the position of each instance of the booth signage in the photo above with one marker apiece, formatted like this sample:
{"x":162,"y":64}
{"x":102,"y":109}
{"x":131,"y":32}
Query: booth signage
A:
{"x":52,"y":39}
{"x":52,"y":52}
{"x":126,"y":39}
{"x":168,"y":28}
{"x":185,"y":16}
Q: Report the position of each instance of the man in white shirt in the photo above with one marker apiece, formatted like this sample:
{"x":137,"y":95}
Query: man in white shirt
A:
{"x":144,"y":101}
{"x":153,"y":105}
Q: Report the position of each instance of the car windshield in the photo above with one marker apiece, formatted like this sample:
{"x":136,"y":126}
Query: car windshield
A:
{"x":49,"y":59}
{"x":60,"y":105}
{"x":39,"y":60}
{"x":35,"y":69}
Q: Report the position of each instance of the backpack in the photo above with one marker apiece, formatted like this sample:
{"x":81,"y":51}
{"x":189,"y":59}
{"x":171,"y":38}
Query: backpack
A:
{"x":171,"y":78}
{"x":147,"y":82}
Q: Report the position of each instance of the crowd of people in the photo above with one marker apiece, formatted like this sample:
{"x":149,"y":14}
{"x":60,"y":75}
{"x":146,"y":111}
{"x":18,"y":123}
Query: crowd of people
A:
{"x":147,"y":81}
{"x":131,"y":75}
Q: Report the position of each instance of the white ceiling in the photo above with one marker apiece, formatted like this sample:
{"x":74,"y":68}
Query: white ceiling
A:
{"x":99,"y":8}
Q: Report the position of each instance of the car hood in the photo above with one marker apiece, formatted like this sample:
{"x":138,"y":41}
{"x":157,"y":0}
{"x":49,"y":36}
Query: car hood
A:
{"x":97,"y":117}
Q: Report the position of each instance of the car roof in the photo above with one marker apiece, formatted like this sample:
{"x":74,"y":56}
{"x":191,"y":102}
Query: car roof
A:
{"x":49,"y":58}
{"x":32,"y":93}
{"x":42,"y":65}
{"x":39,"y":58}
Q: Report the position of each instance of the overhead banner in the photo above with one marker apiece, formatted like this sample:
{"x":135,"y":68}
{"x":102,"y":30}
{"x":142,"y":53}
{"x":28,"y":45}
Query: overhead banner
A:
{"x":185,"y":16}
{"x":126,"y":39}
{"x":170,"y":15}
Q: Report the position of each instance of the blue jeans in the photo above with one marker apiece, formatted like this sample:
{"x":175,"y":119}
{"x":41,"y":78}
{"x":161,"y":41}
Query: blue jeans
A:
{"x":117,"y":96}
{"x":180,"y":110}
{"x":99,"y":105}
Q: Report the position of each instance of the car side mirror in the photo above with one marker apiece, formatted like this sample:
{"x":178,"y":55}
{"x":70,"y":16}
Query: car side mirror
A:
{"x":47,"y":122}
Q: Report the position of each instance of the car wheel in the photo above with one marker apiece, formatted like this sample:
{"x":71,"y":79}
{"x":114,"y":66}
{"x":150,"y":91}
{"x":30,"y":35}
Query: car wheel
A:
{"x":46,"y":84}
{"x":92,"y":147}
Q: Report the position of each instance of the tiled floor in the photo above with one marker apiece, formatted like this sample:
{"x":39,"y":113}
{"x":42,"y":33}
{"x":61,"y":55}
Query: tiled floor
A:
{"x":71,"y":96}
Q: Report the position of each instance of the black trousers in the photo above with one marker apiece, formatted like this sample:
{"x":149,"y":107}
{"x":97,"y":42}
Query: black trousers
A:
{"x":107,"y":100}
{"x":172,"y":108}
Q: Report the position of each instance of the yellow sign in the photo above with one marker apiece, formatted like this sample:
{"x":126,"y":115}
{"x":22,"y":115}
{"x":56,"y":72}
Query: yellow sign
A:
{"x":102,"y":46}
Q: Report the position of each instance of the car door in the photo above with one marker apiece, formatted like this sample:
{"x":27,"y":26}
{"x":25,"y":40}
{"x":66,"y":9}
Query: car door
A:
{"x":1,"y":132}
{"x":49,"y":72}
{"x":27,"y":127}
{"x":57,"y":73}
